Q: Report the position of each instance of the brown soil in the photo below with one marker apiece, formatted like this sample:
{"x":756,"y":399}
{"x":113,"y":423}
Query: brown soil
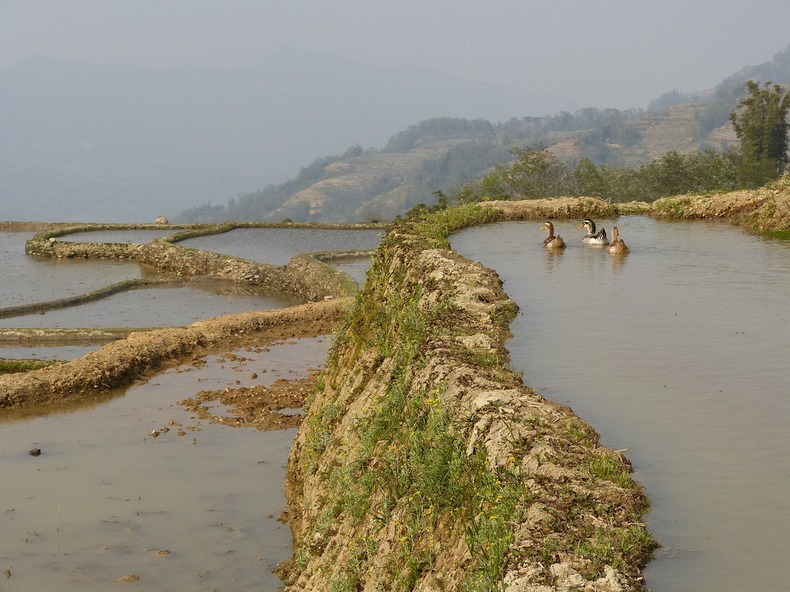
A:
{"x":256,"y":406}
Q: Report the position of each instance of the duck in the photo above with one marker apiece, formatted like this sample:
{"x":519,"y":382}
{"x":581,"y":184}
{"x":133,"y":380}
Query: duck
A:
{"x":551,"y":241}
{"x":618,"y":246}
{"x":592,"y":237}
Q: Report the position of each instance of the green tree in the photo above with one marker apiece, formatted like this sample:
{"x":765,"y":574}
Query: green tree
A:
{"x":533,"y":173}
{"x":760,"y":123}
{"x":589,"y":180}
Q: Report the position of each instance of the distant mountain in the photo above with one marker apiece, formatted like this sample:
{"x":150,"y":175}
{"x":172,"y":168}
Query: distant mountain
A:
{"x":115,"y":143}
{"x":368,"y":185}
{"x":439,"y":154}
{"x":776,"y":70}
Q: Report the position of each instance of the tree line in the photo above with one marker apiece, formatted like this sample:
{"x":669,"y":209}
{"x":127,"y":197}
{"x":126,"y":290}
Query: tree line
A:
{"x":760,"y":123}
{"x":484,"y":164}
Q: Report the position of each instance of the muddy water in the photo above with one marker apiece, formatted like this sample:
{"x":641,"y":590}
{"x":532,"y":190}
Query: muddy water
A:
{"x":106,"y":500}
{"x":278,"y":245}
{"x":26,"y":280}
{"x":169,"y":305}
{"x":679,"y":353}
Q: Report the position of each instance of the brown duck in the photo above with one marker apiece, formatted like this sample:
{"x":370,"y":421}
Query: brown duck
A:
{"x":617,"y":246}
{"x":551,"y":241}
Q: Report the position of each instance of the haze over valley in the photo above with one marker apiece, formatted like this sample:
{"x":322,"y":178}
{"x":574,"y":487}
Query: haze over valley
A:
{"x":112,"y":143}
{"x":101,"y":120}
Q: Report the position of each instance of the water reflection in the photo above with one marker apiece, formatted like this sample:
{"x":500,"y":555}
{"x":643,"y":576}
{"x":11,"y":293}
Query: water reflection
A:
{"x":13,"y":415}
{"x":677,"y":352}
{"x":553,"y":257}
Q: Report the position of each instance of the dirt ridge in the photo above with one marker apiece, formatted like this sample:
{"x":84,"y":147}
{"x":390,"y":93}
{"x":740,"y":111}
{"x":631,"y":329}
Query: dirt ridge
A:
{"x":356,"y":535}
{"x":142,"y":353}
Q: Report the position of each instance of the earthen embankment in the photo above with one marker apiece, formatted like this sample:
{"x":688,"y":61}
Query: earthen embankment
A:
{"x":424,"y":463}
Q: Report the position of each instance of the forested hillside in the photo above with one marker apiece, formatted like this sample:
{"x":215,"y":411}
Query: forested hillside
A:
{"x":438,"y":155}
{"x":441,"y":154}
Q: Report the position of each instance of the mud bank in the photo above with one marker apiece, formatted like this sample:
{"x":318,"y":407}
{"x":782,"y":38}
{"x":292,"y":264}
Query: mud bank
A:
{"x":305,"y":276}
{"x":763,"y":210}
{"x":425,"y":464}
{"x":143,"y":353}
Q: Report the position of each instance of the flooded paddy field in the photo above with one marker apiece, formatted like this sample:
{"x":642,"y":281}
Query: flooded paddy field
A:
{"x":30,"y":280}
{"x":131,"y":486}
{"x":677,"y":353}
{"x":166,"y":305}
{"x":277,"y":246}
{"x":27,"y":280}
{"x":194,"y":507}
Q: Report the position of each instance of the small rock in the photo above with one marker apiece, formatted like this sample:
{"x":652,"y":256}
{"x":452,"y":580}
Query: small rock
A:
{"x":35,"y":452}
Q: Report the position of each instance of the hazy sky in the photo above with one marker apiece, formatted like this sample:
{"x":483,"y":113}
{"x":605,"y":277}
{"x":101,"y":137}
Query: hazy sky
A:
{"x":600,"y":53}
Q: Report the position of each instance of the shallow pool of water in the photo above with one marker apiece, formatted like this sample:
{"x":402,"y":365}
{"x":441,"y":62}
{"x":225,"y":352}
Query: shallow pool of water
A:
{"x":26,"y":280}
{"x":13,"y":350}
{"x":277,"y":246}
{"x":167,"y":305}
{"x":106,"y":499}
{"x":356,"y":268}
{"x":680,"y":353}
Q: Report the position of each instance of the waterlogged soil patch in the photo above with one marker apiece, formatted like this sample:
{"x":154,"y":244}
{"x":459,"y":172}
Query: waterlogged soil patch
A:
{"x":265,"y":408}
